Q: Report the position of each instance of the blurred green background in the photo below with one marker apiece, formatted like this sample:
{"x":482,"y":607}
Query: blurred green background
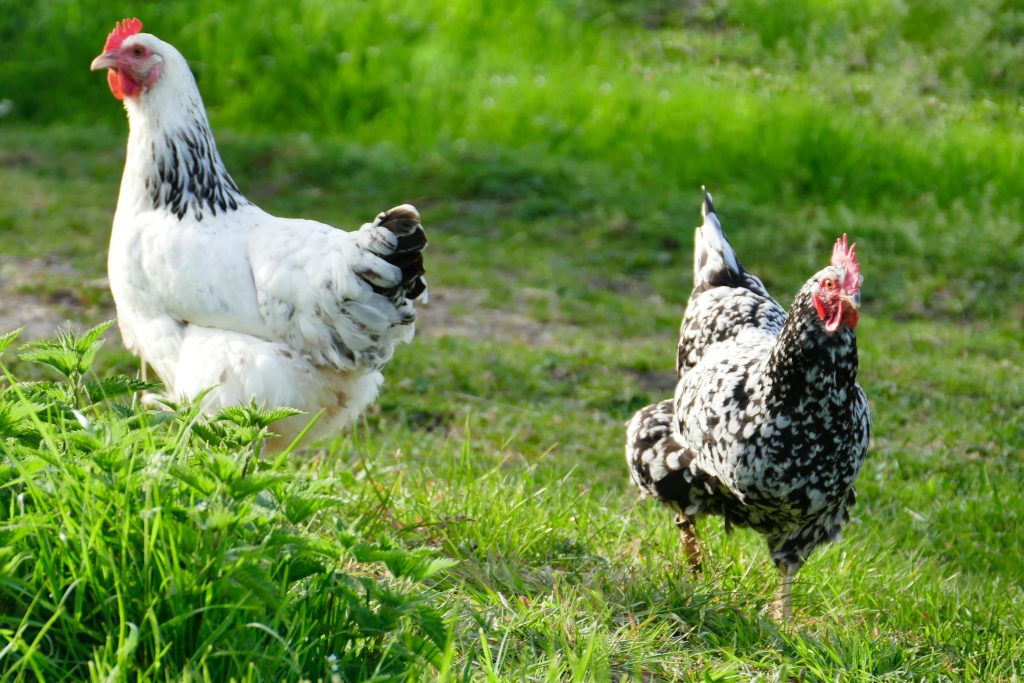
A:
{"x":899,"y":122}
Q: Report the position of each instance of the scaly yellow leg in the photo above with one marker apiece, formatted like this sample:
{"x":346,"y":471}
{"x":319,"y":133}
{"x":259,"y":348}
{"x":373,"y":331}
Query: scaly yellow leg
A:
{"x":690,"y":541}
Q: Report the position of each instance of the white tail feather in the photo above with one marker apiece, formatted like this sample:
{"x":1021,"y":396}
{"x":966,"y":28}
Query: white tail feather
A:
{"x":712,"y":252}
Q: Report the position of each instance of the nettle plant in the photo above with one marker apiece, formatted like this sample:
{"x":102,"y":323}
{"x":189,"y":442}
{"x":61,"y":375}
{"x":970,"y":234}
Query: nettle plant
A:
{"x":151,"y":543}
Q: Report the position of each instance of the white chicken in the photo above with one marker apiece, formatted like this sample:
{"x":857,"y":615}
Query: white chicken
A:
{"x":213,"y":292}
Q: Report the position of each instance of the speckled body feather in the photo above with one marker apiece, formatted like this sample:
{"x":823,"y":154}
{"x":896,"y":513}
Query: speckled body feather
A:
{"x":768,"y":427}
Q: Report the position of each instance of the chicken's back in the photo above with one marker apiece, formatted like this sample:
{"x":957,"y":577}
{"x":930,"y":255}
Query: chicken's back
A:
{"x":715,"y":315}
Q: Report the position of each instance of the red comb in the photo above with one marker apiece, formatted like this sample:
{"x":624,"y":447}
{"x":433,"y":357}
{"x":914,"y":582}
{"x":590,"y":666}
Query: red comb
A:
{"x":844,"y":256}
{"x":122,"y":29}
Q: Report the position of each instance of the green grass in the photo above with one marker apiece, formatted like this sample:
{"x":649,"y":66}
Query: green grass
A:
{"x":556,"y":150}
{"x":139,"y":541}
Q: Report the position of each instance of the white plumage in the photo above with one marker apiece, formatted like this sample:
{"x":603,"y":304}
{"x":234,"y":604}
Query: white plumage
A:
{"x":214,"y":292}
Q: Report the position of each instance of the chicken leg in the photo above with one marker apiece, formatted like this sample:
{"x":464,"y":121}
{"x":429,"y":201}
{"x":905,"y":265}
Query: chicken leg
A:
{"x":691,"y":542}
{"x":783,"y":607}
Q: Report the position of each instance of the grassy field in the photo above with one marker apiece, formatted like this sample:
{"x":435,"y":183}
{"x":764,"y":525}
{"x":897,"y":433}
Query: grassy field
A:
{"x":479,"y":524}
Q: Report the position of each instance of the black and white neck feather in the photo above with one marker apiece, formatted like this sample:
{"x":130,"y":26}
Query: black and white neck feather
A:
{"x":807,"y":361}
{"x":172,"y":161}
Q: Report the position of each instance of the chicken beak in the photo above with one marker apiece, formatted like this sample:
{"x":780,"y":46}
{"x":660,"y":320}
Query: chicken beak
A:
{"x":107,"y":60}
{"x":850,"y":310}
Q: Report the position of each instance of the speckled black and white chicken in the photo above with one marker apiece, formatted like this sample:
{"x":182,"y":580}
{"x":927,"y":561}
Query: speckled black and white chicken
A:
{"x":768,"y":427}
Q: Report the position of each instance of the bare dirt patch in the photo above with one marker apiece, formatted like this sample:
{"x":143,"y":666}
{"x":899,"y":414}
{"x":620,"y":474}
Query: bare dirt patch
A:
{"x":29,"y":299}
{"x":462,"y":313}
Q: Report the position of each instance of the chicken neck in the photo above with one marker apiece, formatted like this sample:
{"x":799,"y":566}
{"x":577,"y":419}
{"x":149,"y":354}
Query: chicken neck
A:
{"x":172,"y":160}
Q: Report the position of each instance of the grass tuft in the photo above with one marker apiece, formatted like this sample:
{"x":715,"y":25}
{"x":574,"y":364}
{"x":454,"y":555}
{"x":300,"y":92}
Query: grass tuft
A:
{"x":136,"y":545}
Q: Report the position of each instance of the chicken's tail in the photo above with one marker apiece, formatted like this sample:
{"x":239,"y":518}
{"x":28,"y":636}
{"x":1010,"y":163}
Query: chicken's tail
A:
{"x":714,"y":261}
{"x":405,"y":252}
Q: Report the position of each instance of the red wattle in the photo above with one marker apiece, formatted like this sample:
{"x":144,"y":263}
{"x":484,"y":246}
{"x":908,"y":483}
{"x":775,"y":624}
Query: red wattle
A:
{"x":122,"y":86}
{"x":834,"y":320}
{"x":851,"y":317}
{"x":114,"y":81}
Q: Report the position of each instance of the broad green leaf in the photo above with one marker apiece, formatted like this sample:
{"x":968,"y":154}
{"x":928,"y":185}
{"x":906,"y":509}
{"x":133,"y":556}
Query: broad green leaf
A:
{"x":118,"y":385}
{"x":299,"y":567}
{"x":413,"y":564}
{"x":224,"y":467}
{"x":256,"y":482}
{"x":255,"y":579}
{"x":300,"y":507}
{"x":194,"y":478}
{"x":64,"y":361}
{"x":90,"y":338}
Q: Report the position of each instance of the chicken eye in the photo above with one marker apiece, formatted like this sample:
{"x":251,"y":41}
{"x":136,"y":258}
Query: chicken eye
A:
{"x":138,"y":51}
{"x":828,"y":283}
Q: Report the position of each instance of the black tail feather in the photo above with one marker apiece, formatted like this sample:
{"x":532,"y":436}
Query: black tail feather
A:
{"x":404,"y":222}
{"x":414,"y":241}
